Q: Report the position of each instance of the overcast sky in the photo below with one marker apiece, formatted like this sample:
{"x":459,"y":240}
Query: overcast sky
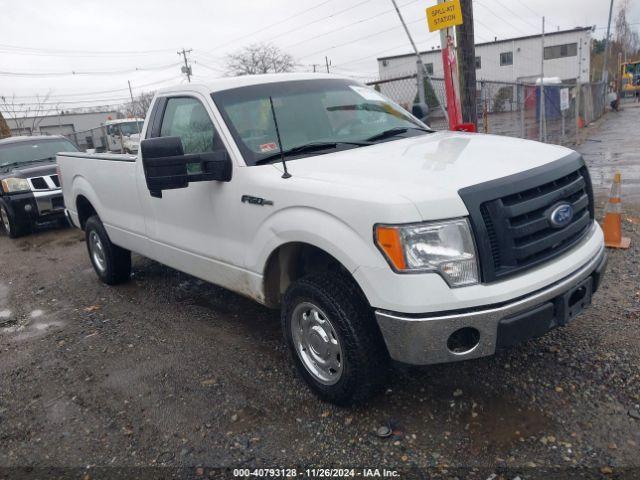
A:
{"x":109,"y":42}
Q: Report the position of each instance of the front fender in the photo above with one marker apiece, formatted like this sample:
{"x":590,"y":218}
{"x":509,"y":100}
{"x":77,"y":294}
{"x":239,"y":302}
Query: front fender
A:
{"x":315,"y":227}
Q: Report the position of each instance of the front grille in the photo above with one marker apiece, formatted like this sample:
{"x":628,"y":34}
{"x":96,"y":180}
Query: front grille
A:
{"x":511,"y":216}
{"x":46,"y":182}
{"x":39,"y":183}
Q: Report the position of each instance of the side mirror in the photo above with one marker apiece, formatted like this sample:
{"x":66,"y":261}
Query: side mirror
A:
{"x":420,"y":111}
{"x":165,"y":165}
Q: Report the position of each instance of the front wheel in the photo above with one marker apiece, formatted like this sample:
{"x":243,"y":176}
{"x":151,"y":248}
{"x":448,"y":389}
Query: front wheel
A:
{"x":333,"y":338}
{"x":111,"y":263}
{"x":9,"y":223}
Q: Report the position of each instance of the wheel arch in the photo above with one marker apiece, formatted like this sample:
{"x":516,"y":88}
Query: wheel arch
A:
{"x":293,"y":260}
{"x":84,"y":209}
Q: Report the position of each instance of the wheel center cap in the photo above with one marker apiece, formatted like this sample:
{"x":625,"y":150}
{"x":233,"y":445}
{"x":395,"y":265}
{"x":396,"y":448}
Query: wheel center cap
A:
{"x":317,"y":340}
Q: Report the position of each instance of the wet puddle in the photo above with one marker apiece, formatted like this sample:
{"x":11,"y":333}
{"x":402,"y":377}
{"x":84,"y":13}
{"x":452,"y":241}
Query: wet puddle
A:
{"x":613,"y":148}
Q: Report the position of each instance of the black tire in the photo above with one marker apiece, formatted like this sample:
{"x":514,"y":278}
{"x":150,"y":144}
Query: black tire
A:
{"x":116,"y":267}
{"x":10,"y":225}
{"x":365,"y":360}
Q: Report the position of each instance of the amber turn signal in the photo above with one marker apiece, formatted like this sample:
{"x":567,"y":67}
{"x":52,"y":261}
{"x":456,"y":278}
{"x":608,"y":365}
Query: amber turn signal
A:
{"x":388,"y":240}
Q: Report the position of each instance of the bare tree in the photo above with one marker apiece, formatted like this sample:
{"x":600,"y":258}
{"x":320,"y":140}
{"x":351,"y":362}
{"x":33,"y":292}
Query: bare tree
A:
{"x":626,"y":37}
{"x":144,"y":102}
{"x":624,"y":46}
{"x":40,"y":109}
{"x":27,"y":116}
{"x":139,"y":106}
{"x":13,"y":111}
{"x":259,"y":58}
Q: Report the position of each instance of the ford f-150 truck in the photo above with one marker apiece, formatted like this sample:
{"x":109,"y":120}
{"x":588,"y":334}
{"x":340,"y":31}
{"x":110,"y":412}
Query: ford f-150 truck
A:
{"x":377,"y":237}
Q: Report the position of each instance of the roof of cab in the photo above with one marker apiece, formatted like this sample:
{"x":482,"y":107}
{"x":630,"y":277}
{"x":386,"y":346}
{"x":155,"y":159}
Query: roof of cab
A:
{"x":226,"y":83}
{"x":29,"y":138}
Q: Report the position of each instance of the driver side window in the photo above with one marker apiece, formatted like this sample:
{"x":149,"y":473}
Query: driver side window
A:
{"x":186,"y":117}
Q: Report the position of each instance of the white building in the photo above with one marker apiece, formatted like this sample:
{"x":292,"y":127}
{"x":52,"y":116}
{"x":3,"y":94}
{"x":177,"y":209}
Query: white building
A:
{"x":567,"y":56}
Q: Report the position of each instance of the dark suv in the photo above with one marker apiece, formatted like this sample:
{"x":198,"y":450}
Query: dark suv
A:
{"x":29,"y":186}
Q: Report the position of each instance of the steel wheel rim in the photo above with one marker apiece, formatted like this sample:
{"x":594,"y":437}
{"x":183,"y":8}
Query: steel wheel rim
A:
{"x":97,"y":252}
{"x":5,"y":219}
{"x":317,"y":343}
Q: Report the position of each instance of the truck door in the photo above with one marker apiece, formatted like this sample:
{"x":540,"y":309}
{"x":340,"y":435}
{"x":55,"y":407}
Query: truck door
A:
{"x":194,"y":229}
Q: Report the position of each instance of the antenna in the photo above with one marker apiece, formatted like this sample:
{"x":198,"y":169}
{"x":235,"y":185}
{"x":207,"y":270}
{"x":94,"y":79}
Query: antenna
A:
{"x":286,"y":174}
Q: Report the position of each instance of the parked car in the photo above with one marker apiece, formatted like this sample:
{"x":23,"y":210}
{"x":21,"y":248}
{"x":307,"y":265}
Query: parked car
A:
{"x":377,"y":237}
{"x":30,"y":192}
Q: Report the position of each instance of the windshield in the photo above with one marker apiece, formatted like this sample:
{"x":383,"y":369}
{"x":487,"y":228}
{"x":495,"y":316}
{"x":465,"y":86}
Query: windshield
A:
{"x":32,"y":150}
{"x":127,"y":128}
{"x":309,"y":112}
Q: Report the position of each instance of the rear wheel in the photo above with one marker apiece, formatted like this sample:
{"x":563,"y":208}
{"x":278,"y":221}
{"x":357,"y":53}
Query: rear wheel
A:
{"x":110,"y":262}
{"x":333,"y":338}
{"x":9,"y":224}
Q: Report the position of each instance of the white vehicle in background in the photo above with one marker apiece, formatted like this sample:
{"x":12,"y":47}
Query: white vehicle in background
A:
{"x":377,"y":237}
{"x":123,"y":135}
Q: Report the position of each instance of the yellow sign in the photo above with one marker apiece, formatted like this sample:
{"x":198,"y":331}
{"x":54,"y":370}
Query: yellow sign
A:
{"x":444,"y":15}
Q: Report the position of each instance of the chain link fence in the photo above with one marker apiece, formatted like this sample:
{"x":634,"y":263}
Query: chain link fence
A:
{"x":101,"y":139}
{"x":511,"y":109}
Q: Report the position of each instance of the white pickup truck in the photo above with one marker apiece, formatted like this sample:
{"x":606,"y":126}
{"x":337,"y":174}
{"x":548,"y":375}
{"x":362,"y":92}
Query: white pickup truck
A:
{"x":378,"y":238}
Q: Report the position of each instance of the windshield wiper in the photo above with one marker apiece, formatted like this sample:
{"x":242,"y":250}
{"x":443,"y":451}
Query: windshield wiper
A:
{"x":392,"y":132}
{"x":17,"y":164}
{"x":308,"y":147}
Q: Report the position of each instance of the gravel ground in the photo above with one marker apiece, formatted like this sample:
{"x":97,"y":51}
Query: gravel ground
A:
{"x":170,"y":371}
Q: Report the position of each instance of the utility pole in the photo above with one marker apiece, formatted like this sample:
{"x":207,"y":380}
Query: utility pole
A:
{"x":543,"y":106}
{"x":467,"y":63}
{"x":327,"y":63}
{"x":607,"y":47}
{"x":420,"y":64}
{"x":133,"y":106}
{"x":187,"y":68}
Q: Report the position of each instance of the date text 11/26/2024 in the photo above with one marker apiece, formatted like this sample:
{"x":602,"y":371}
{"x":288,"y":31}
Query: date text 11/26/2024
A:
{"x":315,"y":473}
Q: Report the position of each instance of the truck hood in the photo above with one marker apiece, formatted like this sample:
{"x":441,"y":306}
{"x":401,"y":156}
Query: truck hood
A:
{"x":29,"y":170}
{"x":428,"y":170}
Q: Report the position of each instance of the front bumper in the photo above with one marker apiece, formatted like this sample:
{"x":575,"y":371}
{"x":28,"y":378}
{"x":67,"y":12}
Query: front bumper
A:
{"x":33,"y":207}
{"x":424,"y":340}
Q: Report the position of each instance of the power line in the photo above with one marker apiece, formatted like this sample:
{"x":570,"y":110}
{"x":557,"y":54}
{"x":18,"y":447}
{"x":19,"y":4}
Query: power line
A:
{"x":348,"y":25}
{"x":280,"y":22}
{"x":360,"y":38}
{"x":535,"y":27}
{"x":318,"y":20}
{"x":368,"y":57}
{"x":79,"y":73}
{"x":501,"y":18}
{"x":62,"y":95}
{"x":71,"y":102}
{"x":209,"y":67}
{"x":49,"y":52}
{"x":536,"y":14}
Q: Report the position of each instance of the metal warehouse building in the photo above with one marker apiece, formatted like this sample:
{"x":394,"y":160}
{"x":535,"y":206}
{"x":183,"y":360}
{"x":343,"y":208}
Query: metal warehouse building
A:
{"x":514,"y":60}
{"x":75,"y":126}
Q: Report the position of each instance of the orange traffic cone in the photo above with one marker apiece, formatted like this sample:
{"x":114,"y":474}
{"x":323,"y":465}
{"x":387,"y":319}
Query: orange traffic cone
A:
{"x":612,"y":224}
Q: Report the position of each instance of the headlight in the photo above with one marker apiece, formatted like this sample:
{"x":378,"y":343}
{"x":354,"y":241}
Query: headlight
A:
{"x":13,"y":185}
{"x":444,"y":247}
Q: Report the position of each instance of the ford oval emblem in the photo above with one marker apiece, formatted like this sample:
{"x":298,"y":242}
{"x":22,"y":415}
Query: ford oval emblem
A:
{"x":561,"y":215}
